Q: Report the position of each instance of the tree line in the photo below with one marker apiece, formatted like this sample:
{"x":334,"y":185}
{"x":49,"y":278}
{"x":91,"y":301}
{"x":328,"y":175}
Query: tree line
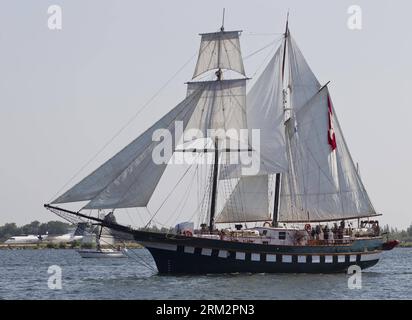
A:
{"x":401,"y":235}
{"x":52,"y":228}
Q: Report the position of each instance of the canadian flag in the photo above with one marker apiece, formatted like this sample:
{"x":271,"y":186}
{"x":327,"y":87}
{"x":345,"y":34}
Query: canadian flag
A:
{"x":331,"y":132}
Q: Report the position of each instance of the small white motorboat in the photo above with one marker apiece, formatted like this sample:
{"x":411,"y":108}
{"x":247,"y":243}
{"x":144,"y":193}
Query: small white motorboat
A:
{"x":102,"y":253}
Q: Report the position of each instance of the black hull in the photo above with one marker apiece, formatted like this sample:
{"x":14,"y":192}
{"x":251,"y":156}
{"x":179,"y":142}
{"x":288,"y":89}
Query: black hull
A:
{"x":168,"y":262}
{"x":192,"y":255}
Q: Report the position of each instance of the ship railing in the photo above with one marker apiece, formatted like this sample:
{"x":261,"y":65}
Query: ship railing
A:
{"x":329,"y":242}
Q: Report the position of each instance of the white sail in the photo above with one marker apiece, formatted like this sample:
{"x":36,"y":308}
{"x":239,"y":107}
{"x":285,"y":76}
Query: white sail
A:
{"x":303,"y":84}
{"x":248,"y":201}
{"x":322,"y":183}
{"x":265,"y":112}
{"x":219,"y":50}
{"x":222,"y":106}
{"x":129,"y":178}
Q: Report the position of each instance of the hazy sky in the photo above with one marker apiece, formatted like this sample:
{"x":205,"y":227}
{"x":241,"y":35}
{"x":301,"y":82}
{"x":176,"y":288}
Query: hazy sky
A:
{"x":65,"y":93}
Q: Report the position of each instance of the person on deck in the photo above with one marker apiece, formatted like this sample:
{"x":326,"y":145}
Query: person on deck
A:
{"x":326,"y":232}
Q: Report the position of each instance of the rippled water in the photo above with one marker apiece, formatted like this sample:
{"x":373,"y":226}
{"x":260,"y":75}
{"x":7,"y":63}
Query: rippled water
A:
{"x":23,"y":275}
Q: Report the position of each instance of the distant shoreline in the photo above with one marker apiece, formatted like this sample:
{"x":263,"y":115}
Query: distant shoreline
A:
{"x":41,"y":246}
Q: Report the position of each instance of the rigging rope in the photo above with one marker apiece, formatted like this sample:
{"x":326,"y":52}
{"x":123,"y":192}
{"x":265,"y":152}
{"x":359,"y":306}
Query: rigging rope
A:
{"x":261,"y":49}
{"x":171,"y":192}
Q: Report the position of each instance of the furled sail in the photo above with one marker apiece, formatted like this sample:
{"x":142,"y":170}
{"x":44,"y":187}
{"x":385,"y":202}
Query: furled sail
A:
{"x":265,"y":112}
{"x":322,"y":183}
{"x":222,"y":106}
{"x":249,"y":200}
{"x":129,"y":178}
{"x":219,"y":50}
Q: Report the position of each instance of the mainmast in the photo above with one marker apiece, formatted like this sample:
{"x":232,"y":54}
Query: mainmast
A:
{"x":214,"y":187}
{"x":278,"y":175}
{"x":219,"y":74}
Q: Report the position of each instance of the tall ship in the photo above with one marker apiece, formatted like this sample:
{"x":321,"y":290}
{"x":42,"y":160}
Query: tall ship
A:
{"x":298,"y":206}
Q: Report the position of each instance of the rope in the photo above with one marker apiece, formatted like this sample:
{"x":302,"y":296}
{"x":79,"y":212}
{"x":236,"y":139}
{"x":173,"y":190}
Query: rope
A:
{"x":168,"y":196}
{"x":261,"y":49}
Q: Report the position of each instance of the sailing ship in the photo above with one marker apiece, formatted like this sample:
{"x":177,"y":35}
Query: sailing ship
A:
{"x":304,"y":200}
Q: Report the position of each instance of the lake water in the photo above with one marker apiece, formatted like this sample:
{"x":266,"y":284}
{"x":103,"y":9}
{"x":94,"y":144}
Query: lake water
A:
{"x":24,"y":275}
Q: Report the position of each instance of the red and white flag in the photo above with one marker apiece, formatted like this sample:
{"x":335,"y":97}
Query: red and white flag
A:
{"x":331,"y":132}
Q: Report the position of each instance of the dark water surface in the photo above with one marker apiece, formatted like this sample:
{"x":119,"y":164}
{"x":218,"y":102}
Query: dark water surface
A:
{"x":24,"y":275}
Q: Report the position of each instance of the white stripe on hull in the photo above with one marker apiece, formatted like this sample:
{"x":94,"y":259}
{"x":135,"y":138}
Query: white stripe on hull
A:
{"x":286,"y":259}
{"x":302,"y":259}
{"x":223,"y":254}
{"x":189,"y":250}
{"x":271,"y":258}
{"x":315,"y":259}
{"x":240,"y":256}
{"x":255,"y":257}
{"x":206,"y":252}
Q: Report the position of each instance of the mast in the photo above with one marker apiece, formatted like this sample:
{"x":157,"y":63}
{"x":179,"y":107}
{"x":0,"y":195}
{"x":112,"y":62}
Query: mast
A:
{"x":214,"y":187}
{"x":276,"y":208}
{"x":278,"y":175}
{"x":222,"y":28}
{"x":219,"y":74}
{"x":284,"y":48}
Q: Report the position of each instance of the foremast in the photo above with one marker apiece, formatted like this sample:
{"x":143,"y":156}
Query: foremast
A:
{"x":284,"y":100}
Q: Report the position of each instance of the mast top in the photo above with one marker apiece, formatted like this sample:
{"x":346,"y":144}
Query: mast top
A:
{"x":287,"y":25}
{"x":222,"y":28}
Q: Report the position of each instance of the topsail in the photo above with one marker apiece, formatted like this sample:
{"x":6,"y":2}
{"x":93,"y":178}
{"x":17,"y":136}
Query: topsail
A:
{"x":219,"y":50}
